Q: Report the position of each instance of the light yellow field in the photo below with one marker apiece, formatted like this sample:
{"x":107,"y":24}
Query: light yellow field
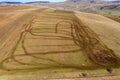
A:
{"x":108,"y":30}
{"x":48,"y":43}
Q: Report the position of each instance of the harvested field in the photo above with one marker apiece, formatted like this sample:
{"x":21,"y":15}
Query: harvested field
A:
{"x":45,"y":42}
{"x":64,"y":11}
{"x":13,"y":8}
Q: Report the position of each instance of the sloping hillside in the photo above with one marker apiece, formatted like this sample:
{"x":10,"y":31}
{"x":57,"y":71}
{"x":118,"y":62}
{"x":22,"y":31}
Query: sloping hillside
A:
{"x":108,"y":30}
{"x":45,"y":43}
{"x":90,"y":6}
